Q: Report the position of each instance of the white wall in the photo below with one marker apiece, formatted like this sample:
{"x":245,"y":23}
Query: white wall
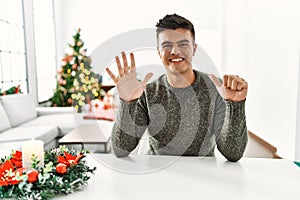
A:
{"x":256,"y":39}
{"x":101,"y":20}
{"x":297,"y":142}
{"x":263,"y":45}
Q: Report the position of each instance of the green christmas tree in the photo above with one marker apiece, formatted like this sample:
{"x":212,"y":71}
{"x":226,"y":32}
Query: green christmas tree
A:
{"x":77,"y":85}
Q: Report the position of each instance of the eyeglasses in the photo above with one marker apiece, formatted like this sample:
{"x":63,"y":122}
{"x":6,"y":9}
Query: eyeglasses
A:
{"x":168,"y":46}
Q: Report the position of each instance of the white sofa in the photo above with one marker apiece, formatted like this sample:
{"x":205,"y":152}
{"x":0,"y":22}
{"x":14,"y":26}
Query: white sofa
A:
{"x":21,"y":120}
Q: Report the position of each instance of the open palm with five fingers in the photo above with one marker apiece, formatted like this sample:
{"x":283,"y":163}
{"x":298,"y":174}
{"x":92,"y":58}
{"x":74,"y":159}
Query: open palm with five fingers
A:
{"x":233,"y":88}
{"x":129,"y":88}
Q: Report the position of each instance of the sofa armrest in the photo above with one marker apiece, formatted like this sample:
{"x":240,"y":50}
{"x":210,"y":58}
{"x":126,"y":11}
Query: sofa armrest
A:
{"x":54,"y":110}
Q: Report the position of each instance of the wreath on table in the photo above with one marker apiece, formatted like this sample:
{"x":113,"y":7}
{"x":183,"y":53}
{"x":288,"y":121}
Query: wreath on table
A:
{"x":64,"y":172}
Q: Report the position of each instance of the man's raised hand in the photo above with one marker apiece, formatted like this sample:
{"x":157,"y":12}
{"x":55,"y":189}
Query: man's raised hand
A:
{"x":129,"y":88}
{"x":233,"y":88}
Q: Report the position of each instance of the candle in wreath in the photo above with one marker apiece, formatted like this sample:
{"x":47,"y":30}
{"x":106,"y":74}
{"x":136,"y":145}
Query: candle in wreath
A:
{"x":30,"y":149}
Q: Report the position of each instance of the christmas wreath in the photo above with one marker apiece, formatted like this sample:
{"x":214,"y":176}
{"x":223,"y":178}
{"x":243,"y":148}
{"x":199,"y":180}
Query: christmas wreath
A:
{"x":64,"y":172}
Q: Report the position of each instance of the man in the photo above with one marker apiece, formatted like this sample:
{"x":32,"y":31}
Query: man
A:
{"x":187,"y":112}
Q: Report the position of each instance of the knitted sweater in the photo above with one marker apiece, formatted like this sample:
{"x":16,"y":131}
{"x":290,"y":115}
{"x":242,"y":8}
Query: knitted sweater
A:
{"x":187,"y":121}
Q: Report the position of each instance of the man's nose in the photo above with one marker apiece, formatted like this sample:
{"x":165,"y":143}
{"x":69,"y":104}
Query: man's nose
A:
{"x":175,"y":49}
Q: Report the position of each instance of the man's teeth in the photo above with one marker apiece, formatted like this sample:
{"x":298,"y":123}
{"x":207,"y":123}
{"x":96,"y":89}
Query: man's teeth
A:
{"x":176,"y":59}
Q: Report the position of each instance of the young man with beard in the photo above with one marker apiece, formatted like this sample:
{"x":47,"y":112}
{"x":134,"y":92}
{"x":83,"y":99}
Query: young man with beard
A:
{"x":187,"y":112}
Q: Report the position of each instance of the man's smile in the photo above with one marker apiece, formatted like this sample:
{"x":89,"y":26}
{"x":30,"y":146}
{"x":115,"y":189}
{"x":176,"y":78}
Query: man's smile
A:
{"x":176,"y":60}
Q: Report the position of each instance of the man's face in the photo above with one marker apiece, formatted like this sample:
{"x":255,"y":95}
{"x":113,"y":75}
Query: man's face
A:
{"x":176,"y":49}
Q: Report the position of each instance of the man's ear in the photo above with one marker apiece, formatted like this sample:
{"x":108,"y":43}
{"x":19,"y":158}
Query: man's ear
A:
{"x":159,"y":53}
{"x":195,"y":48}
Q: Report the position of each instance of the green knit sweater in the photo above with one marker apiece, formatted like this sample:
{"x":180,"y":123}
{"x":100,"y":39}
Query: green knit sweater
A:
{"x":182,"y":121}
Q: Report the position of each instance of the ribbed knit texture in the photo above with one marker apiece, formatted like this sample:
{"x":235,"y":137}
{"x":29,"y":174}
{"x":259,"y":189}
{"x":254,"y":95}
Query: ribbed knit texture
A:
{"x":182,"y":121}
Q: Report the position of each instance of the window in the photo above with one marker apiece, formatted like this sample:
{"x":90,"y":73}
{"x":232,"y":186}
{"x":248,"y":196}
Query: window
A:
{"x":44,"y":35}
{"x":12,"y":46}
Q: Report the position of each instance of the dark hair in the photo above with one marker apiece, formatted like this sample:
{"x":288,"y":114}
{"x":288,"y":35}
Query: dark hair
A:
{"x":173,"y":22}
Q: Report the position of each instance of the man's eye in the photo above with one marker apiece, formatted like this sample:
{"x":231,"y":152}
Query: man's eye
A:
{"x":183,"y":44}
{"x":165,"y":46}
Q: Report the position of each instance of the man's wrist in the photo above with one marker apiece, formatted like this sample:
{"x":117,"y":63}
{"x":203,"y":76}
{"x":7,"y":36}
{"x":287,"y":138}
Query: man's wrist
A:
{"x":128,"y":101}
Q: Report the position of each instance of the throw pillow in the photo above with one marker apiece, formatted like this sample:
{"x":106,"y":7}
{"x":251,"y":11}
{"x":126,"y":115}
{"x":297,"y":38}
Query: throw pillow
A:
{"x":19,"y":108}
{"x":4,"y":121}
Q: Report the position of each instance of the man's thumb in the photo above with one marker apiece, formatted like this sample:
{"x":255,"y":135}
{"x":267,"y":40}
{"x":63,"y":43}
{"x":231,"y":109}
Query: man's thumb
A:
{"x":147,"y":78}
{"x":215,"y":80}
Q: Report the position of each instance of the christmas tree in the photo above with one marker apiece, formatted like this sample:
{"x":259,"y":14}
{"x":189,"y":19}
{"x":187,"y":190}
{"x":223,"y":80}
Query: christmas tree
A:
{"x":77,"y":85}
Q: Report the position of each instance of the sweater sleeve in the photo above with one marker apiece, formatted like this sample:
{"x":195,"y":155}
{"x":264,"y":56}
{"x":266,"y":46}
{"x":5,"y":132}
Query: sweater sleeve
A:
{"x":130,"y":125}
{"x":232,"y":137}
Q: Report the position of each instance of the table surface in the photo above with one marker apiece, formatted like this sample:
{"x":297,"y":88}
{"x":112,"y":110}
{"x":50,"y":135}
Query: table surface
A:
{"x":170,"y":177}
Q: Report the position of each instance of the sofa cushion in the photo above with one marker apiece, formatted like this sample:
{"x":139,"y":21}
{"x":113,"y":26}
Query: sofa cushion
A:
{"x":4,"y":121}
{"x":44,"y":133}
{"x":19,"y":108}
{"x":65,"y":122}
{"x":54,"y":110}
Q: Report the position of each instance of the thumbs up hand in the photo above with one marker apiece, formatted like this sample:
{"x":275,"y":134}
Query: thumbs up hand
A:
{"x":233,"y":88}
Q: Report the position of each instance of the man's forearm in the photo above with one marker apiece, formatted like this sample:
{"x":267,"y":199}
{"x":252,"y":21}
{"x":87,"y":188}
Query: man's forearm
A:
{"x":126,"y":132}
{"x":233,"y":138}
{"x":122,"y":143}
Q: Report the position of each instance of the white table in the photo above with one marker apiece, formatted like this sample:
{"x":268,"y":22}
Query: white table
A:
{"x":87,"y":134}
{"x":167,"y":177}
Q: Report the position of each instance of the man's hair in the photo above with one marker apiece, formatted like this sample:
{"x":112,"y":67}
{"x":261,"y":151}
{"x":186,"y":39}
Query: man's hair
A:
{"x":173,"y":22}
